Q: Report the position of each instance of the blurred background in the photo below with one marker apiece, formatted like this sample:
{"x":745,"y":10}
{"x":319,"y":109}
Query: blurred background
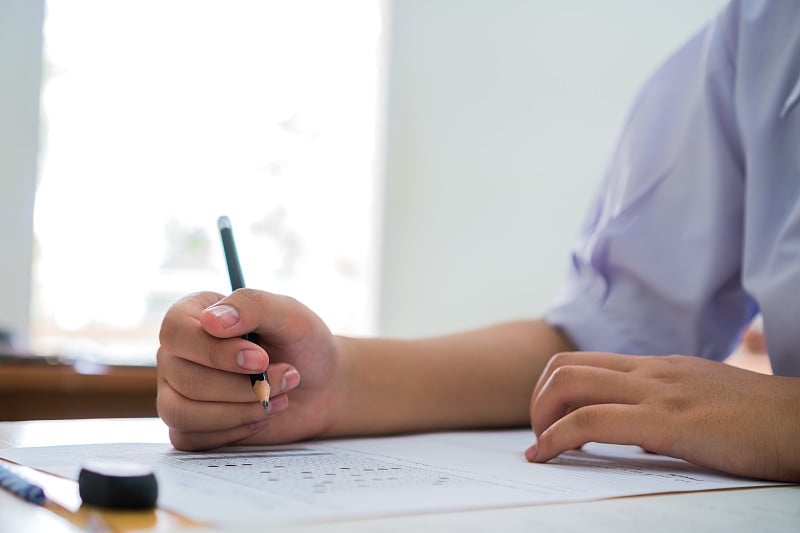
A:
{"x":405,"y":168}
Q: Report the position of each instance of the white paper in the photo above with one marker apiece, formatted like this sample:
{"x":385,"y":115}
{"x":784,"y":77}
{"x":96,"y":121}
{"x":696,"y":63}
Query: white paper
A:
{"x":357,"y":478}
{"x":765,"y":510}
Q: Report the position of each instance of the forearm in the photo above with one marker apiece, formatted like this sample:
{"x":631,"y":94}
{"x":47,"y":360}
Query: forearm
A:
{"x":479,"y":378}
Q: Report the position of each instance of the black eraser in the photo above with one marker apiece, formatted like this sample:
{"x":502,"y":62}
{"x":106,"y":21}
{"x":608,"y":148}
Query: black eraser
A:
{"x":118,"y":485}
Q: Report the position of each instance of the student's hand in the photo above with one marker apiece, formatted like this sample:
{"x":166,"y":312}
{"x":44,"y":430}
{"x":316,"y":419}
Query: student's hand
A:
{"x":204,"y":392}
{"x":705,"y":412}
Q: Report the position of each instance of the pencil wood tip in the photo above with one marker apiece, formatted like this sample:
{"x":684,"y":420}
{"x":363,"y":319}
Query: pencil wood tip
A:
{"x":223,"y":222}
{"x":262,"y":389}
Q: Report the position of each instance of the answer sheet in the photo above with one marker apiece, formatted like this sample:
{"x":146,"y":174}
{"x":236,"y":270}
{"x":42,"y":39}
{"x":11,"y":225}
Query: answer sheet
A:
{"x":358,"y":478}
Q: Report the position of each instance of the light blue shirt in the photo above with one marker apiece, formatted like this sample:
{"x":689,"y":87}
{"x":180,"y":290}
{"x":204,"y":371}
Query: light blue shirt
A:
{"x":696,"y":227}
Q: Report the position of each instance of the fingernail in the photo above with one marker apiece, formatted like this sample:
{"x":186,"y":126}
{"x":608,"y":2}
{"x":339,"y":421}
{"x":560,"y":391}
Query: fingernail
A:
{"x":531,"y":453}
{"x":226,"y":314}
{"x":290,"y":379}
{"x":251,"y":360}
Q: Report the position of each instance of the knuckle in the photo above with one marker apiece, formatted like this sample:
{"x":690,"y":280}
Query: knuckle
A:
{"x":162,"y":359}
{"x":673,"y":408}
{"x":163,"y":407}
{"x":663,"y":436}
{"x":561,"y":377}
{"x":555,"y":362}
{"x":544,"y":440}
{"x":168,"y":407}
{"x":560,"y":359}
{"x":675,"y":361}
{"x":172,"y":322}
{"x":193,"y":382}
{"x":167,"y":333}
{"x":250,"y":413}
{"x":585,"y":419}
{"x":181,"y":376}
{"x":188,"y":382}
{"x":245,"y":300}
{"x":184,"y":314}
{"x":208,"y":355}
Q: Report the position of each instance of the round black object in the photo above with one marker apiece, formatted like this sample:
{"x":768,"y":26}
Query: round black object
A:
{"x":118,"y":485}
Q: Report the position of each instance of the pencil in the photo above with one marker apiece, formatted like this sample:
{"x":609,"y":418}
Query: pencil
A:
{"x":259,"y":382}
{"x":21,"y":487}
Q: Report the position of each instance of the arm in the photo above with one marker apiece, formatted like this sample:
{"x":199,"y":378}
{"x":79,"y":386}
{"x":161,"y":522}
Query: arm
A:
{"x":325,"y":386}
{"x":480,"y":378}
{"x":681,"y":227}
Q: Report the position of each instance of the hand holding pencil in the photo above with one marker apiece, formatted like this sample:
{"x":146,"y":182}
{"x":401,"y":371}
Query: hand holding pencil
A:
{"x":260,"y":381}
{"x":205,"y":363}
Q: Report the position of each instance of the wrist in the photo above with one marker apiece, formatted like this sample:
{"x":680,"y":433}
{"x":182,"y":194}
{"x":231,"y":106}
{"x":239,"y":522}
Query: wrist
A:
{"x":371,"y":388}
{"x":339,"y":404}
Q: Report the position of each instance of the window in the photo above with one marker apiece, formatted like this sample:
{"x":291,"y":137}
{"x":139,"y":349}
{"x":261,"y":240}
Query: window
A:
{"x":158,"y":116}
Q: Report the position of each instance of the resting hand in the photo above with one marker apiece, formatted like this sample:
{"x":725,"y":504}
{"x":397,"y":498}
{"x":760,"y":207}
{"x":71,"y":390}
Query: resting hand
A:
{"x":204,"y":392}
{"x":705,"y":412}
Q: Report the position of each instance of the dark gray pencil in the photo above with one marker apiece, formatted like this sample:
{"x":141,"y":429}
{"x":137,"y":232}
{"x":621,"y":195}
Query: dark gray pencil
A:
{"x":259,"y":382}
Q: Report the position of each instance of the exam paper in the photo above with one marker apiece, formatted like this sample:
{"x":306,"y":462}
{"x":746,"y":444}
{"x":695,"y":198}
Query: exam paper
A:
{"x":358,"y":478}
{"x":765,"y":510}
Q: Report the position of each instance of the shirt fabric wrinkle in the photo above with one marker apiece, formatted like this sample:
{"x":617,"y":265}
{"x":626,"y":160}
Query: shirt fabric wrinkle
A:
{"x":697,"y":225}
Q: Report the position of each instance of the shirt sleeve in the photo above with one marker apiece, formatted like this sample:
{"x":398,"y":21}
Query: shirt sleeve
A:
{"x":657,"y":267}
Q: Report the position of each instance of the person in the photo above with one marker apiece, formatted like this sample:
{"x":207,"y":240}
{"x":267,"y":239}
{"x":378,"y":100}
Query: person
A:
{"x":695,"y":229}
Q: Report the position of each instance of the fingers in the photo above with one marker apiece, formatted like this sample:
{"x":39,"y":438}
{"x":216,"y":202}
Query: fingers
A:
{"x":207,"y":329}
{"x":608,"y":423}
{"x":202,"y":425}
{"x":199,"y":399}
{"x":569,"y":388}
{"x":583,"y":397}
{"x":214,"y":438}
{"x":201,"y":383}
{"x":205,"y":441}
{"x":182,"y":335}
{"x":219,"y":406}
{"x":182,"y":413}
{"x":620,"y":363}
{"x":204,"y":392}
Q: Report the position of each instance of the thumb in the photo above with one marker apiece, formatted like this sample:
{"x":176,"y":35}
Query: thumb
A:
{"x":223,"y":319}
{"x":246,"y":311}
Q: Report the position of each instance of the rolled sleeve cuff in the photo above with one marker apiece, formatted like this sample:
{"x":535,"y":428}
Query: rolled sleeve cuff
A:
{"x":581,"y":316}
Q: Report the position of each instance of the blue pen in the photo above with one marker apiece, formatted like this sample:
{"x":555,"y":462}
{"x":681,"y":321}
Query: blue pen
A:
{"x":21,"y":487}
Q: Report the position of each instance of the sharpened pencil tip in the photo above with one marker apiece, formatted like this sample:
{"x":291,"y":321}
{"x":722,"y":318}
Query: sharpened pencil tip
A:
{"x":223,"y":222}
{"x":261,"y":388}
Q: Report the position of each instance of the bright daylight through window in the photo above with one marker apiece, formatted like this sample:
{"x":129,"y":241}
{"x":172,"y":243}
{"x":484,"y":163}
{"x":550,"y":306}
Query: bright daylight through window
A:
{"x":157,"y":117}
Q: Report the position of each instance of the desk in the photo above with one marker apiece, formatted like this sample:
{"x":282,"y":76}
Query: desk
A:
{"x":35,"y":390}
{"x":760,"y":509}
{"x":19,"y":516}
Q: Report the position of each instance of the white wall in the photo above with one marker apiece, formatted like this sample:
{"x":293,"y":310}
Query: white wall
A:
{"x":20,"y":74}
{"x":501,"y":115}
